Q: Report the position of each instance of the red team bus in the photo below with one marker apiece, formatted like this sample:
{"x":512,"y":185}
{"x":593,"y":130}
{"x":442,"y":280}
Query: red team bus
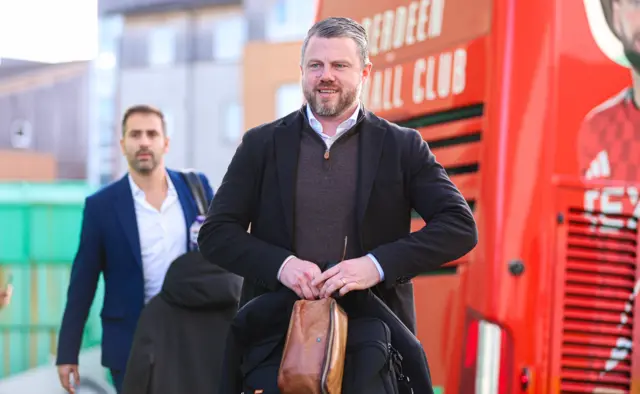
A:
{"x":530,"y":106}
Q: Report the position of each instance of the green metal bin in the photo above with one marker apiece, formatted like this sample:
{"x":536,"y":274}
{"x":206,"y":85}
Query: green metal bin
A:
{"x":39,"y":234}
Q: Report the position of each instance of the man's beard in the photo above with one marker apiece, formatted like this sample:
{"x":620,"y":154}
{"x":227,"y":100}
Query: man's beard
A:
{"x":143,"y":167}
{"x":345,"y":100}
{"x":633,"y":57}
{"x":630,"y":52}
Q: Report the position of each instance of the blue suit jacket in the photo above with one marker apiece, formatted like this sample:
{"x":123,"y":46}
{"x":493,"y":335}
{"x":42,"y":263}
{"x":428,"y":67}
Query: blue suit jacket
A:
{"x":109,"y":244}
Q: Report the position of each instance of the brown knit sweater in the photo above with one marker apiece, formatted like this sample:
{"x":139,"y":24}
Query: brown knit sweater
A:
{"x":325,"y":201}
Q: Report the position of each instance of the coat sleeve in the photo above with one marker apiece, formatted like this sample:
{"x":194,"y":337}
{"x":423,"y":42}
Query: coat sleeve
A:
{"x":223,"y":238}
{"x":450,"y":231}
{"x":137,"y":377}
{"x":85,"y":272}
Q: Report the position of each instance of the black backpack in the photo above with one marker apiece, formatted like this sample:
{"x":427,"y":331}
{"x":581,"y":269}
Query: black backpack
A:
{"x":372,"y":365}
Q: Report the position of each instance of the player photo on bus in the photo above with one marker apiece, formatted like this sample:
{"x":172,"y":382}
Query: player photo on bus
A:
{"x":609,"y":137}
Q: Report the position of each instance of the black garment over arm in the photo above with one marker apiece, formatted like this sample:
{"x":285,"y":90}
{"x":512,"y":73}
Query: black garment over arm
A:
{"x":137,"y":378}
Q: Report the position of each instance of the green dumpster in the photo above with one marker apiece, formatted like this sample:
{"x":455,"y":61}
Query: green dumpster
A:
{"x":39,"y":234}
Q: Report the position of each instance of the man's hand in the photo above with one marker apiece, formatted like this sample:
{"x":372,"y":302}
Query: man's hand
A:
{"x":5,"y":296}
{"x":64,"y":372}
{"x":354,"y":274}
{"x":297,"y":275}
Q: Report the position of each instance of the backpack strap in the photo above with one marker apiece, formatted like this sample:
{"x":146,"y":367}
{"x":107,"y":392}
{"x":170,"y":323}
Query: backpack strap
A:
{"x":197,"y":190}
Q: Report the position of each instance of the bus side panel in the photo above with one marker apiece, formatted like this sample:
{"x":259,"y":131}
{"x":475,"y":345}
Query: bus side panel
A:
{"x":440,"y":314}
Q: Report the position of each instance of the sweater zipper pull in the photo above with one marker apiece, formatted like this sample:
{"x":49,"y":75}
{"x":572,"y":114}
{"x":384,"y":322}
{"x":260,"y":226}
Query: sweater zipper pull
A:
{"x":326,"y":154}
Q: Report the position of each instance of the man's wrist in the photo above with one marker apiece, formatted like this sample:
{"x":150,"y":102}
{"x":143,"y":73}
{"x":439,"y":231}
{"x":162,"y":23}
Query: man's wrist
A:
{"x":283,"y":264}
{"x":378,"y":266}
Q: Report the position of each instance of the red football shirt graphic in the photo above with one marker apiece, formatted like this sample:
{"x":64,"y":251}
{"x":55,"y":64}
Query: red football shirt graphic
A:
{"x":609,"y":140}
{"x":609,"y":148}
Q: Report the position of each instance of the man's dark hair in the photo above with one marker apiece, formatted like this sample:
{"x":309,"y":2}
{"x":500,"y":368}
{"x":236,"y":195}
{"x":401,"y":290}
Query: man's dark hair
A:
{"x":142,"y":109}
{"x":607,"y":10}
{"x":338,"y":27}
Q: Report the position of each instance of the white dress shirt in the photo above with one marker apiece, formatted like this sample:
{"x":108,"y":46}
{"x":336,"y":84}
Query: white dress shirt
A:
{"x":328,"y":140}
{"x":162,"y":233}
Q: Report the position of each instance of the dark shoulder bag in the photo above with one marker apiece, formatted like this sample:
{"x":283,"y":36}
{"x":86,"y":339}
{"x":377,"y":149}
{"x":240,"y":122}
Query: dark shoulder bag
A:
{"x":197,"y":190}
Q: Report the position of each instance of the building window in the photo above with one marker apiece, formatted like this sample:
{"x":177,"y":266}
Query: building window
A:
{"x":106,"y":109}
{"x":289,"y":20}
{"x":233,"y":122}
{"x":134,"y":49}
{"x":107,"y":163}
{"x":106,"y":135}
{"x":229,"y":37}
{"x":288,"y":99}
{"x":280,"y":11}
{"x":169,"y":123}
{"x":162,"y":46}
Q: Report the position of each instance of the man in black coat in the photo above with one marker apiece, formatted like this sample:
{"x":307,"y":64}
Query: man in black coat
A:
{"x":180,"y":338}
{"x":333,"y":180}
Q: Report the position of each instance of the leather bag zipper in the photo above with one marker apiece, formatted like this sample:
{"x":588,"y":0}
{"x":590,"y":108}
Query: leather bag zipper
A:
{"x":327,"y":358}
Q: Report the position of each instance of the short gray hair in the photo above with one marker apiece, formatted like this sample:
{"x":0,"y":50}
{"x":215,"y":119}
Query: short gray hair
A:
{"x":338,"y":27}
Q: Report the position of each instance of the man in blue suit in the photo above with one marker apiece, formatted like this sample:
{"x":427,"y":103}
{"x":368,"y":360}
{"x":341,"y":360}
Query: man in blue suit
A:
{"x":131,"y":232}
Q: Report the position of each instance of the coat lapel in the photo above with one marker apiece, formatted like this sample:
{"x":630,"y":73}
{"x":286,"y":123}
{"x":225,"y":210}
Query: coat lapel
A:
{"x":287,"y":146}
{"x":125,"y":210}
{"x":126,"y":213}
{"x":371,"y":143}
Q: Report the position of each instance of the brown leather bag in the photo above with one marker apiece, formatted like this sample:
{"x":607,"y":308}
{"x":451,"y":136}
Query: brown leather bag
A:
{"x":314,"y":352}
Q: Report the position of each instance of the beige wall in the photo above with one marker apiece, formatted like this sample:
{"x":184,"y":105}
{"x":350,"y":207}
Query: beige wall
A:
{"x":156,"y":19}
{"x":54,"y":100}
{"x":267,"y":66}
{"x":27,"y":166}
{"x":50,"y":75}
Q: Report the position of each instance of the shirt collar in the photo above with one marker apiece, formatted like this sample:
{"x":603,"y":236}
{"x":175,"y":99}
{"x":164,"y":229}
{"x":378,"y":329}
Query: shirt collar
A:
{"x":135,"y":189}
{"x":316,"y":125}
